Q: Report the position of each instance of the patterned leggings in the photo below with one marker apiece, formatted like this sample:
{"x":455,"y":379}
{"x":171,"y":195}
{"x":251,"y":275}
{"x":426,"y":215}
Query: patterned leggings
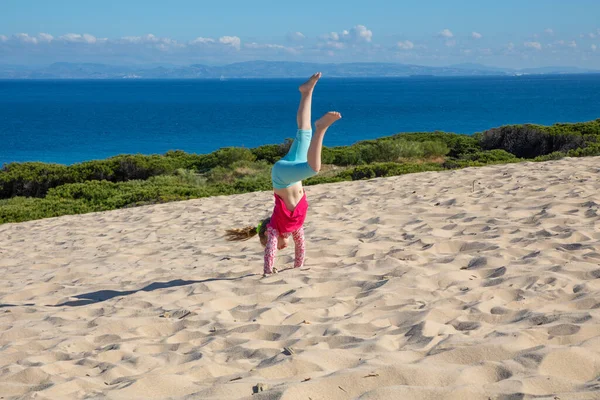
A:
{"x":271,"y":249}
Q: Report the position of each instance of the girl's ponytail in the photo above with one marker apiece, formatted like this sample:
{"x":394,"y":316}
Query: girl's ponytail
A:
{"x":238,"y":235}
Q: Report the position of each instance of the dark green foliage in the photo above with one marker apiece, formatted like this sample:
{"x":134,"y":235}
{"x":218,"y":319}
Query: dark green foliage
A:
{"x":238,"y":170}
{"x":491,"y":157}
{"x":557,"y":155}
{"x":342,"y":156}
{"x":224,"y":158}
{"x":383,"y":150}
{"x":456,"y":144}
{"x":435,"y":149}
{"x":32,"y":179}
{"x":390,"y":169}
{"x":104,"y":195}
{"x":271,"y":153}
{"x":530,"y":141}
{"x":253,"y":184}
{"x":319,"y":180}
{"x":592,"y":149}
{"x":19,"y":209}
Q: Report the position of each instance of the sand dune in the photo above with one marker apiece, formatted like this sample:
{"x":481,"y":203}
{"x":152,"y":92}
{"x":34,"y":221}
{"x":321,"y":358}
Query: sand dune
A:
{"x":472,"y":284}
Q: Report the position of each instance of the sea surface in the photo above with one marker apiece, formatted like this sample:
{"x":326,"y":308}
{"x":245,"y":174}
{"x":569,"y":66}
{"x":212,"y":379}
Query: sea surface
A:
{"x":72,"y":121}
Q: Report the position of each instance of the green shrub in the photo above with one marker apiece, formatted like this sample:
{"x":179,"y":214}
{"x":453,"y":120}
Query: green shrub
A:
{"x":557,"y":155}
{"x":435,"y":149}
{"x":104,"y":195}
{"x":189,"y":177}
{"x":591,"y":149}
{"x":238,"y":170}
{"x":226,"y":157}
{"x":382,"y":151}
{"x":409,"y":149}
{"x":20,"y":209}
{"x":391,"y":169}
{"x":32,"y":179}
{"x":253,"y":184}
{"x":272,"y":153}
{"x":363,"y":172}
{"x":491,"y":157}
{"x":530,"y":141}
{"x":342,"y":156}
{"x":457,"y":145}
{"x":319,"y":180}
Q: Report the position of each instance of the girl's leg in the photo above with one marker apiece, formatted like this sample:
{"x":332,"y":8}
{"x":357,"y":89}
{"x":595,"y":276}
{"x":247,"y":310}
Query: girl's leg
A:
{"x":270,"y":250}
{"x":304,"y":109}
{"x":316,"y":144}
{"x":300,"y":247}
{"x":303,"y":160}
{"x":299,"y":148}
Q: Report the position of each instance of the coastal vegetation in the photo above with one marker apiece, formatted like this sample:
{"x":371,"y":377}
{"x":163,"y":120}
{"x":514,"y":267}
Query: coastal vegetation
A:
{"x":36,"y":190}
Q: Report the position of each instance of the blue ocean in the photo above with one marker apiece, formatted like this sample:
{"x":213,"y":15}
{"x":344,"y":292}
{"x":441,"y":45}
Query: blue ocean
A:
{"x":72,"y":121}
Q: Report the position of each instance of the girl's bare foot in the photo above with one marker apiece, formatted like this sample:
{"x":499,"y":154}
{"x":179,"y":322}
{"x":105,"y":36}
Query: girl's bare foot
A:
{"x":309,"y":85}
{"x":327,"y":120}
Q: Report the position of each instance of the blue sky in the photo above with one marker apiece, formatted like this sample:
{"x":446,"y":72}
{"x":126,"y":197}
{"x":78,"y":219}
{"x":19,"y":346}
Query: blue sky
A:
{"x":506,"y":33}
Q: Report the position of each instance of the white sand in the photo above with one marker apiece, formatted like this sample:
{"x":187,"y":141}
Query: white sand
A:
{"x":471,"y":284}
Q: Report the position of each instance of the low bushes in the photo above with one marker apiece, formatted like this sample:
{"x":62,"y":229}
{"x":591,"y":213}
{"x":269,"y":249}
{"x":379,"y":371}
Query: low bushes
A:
{"x":37,"y":190}
{"x":390,"y":169}
{"x":530,"y":141}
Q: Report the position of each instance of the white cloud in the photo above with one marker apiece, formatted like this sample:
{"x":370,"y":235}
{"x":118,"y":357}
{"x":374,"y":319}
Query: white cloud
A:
{"x":150,"y":40}
{"x":533,"y":45}
{"x":3,"y":38}
{"x":202,"y":40}
{"x":25,"y":38}
{"x":358,"y":34}
{"x":466,"y":51}
{"x":89,"y":38}
{"x":77,"y":38}
{"x":255,"y":45}
{"x":232,"y":41}
{"x":572,"y":44}
{"x":295,"y":36}
{"x":592,"y":35}
{"x":594,"y":47}
{"x":331,"y":36}
{"x":446,"y":33}
{"x":406,"y":45}
{"x":45,"y":37}
{"x":476,"y":35}
{"x":450,"y":43}
{"x":549,"y":31}
{"x":510,"y":46}
{"x":331,"y":44}
{"x":269,"y":46}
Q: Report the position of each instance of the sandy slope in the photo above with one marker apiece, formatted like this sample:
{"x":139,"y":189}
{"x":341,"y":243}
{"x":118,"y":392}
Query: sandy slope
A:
{"x":472,"y":284}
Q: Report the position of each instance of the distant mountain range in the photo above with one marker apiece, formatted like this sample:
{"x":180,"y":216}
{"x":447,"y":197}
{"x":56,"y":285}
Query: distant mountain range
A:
{"x":266,"y":69}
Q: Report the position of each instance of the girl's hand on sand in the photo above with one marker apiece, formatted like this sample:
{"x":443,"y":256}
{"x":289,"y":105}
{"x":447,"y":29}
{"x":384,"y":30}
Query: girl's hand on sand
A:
{"x":281,"y":243}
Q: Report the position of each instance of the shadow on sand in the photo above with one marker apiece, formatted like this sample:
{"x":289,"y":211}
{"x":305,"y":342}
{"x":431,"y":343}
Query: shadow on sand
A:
{"x":103,"y":295}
